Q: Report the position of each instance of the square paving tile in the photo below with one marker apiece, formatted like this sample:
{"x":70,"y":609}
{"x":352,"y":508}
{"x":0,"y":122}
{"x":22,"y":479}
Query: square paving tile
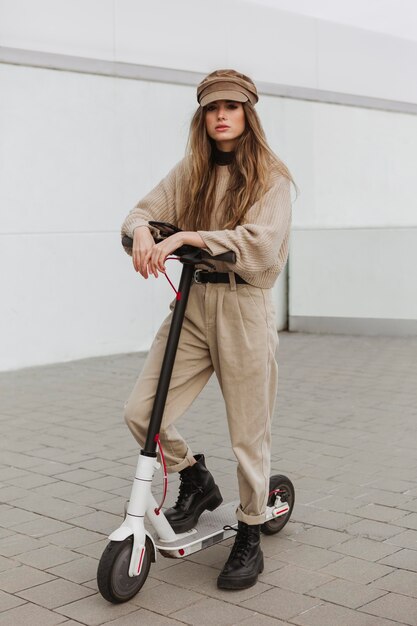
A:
{"x":30,"y":615}
{"x":47,"y":557}
{"x":98,"y":521}
{"x":11,"y":517}
{"x":399,"y":581}
{"x":408,"y":521}
{"x":309,"y":557}
{"x":346,"y":593}
{"x":74,"y":538}
{"x":297,"y":579}
{"x":55,"y":593}
{"x":187,"y":574}
{"x":94,"y":611}
{"x":371,"y":529}
{"x":41,"y":527}
{"x":22,"y":577}
{"x":280,"y":603}
{"x":365,"y":549}
{"x":394,"y":606}
{"x":18,"y":543}
{"x":262,"y":620}
{"x":209,"y":611}
{"x":406,"y":539}
{"x":403,"y":559}
{"x":209,"y":588}
{"x":166,"y":598}
{"x":332,"y":615}
{"x":356,"y":570}
{"x":9,"y":601}
{"x":79,"y":570}
{"x":321,"y":537}
{"x":6,"y":564}
{"x":142,"y":617}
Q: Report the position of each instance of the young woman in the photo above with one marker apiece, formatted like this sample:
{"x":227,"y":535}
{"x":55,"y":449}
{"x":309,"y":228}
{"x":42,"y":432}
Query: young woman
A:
{"x":229,"y":193}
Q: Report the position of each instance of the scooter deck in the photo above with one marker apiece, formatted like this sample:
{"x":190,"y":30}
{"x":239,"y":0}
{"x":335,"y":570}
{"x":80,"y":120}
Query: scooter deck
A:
{"x":209,"y":530}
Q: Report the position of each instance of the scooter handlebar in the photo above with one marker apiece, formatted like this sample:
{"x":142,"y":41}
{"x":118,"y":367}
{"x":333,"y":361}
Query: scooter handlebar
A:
{"x":229,"y":257}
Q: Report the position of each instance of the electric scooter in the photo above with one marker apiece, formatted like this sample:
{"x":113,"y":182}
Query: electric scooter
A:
{"x":126,"y":560}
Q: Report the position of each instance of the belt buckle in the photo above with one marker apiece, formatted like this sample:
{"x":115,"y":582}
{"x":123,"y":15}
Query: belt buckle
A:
{"x":196,"y":277}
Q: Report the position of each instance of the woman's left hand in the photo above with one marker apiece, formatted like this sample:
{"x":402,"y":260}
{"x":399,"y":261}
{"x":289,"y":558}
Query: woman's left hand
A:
{"x":155,"y":259}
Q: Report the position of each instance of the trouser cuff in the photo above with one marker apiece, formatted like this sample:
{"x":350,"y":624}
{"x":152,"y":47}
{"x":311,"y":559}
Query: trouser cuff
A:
{"x":249,"y":519}
{"x":186,"y":462}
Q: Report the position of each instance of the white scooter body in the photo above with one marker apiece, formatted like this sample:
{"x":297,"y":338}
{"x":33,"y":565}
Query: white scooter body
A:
{"x":123,"y":560}
{"x":209,"y":530}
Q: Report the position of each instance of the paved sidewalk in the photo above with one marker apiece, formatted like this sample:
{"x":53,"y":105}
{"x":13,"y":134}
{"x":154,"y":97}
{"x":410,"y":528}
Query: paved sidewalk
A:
{"x":345,"y":431}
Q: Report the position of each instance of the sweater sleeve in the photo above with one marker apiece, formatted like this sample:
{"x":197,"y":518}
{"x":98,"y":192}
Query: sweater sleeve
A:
{"x":257,"y":242}
{"x":158,"y":205}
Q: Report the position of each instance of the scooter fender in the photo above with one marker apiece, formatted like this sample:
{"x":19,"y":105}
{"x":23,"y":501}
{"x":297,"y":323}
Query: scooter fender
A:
{"x":138,"y":553}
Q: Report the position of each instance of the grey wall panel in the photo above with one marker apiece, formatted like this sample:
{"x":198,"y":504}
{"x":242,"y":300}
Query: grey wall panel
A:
{"x":353,"y":326}
{"x":353,"y":274}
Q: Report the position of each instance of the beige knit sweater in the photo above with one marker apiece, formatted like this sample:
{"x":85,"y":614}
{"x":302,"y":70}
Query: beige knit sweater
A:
{"x":261,"y":244}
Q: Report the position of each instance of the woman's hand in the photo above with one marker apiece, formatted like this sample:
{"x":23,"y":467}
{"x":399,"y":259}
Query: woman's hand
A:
{"x":149,"y":257}
{"x":155,"y":258}
{"x":143,"y":243}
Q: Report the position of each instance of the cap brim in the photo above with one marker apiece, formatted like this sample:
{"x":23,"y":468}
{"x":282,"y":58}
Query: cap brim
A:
{"x":236,"y":96}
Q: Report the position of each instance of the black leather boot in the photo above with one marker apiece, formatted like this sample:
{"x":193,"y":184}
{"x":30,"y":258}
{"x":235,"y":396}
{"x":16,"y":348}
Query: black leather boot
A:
{"x":198,"y":492}
{"x":246,"y":559}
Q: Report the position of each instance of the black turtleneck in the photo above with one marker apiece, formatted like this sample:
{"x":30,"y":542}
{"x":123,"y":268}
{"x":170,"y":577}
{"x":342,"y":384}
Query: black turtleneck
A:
{"x":221,"y":157}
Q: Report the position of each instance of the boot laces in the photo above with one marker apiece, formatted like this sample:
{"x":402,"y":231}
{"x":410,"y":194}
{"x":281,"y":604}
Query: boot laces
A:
{"x":187,"y":488}
{"x":241,"y":545}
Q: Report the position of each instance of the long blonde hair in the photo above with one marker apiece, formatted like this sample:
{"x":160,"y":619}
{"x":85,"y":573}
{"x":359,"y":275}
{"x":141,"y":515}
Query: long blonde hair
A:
{"x":250,"y":173}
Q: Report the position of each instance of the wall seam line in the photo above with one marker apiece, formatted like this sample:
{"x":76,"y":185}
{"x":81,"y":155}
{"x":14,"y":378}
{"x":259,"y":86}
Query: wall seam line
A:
{"x":132,"y":71}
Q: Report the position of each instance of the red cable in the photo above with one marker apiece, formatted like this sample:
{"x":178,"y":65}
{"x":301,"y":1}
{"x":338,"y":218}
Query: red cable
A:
{"x":178,"y":293}
{"x":157,"y":440}
{"x":164,"y":465}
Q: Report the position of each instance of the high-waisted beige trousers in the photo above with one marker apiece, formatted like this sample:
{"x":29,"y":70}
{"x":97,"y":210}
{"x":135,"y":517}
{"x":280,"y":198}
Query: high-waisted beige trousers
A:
{"x":229,"y":329}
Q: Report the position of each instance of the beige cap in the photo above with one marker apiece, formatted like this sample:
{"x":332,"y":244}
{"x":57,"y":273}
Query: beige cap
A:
{"x":226,"y":85}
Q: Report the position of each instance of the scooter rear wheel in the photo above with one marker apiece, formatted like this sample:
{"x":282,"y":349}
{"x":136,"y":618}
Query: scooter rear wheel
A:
{"x":113,"y":580}
{"x":279,"y":486}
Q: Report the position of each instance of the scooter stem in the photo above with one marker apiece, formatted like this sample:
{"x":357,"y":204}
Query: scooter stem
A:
{"x":168,"y":361}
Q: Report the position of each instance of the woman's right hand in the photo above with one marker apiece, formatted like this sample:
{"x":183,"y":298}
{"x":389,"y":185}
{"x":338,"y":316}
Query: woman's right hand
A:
{"x":143,"y":242}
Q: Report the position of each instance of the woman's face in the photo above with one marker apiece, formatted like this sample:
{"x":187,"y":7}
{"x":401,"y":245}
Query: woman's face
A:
{"x":225,"y":122}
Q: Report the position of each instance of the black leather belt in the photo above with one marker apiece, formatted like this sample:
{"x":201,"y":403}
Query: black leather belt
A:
{"x":203,"y":276}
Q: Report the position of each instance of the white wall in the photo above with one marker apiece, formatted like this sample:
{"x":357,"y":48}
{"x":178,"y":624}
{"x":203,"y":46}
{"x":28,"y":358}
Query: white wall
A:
{"x":78,"y":150}
{"x":356,"y":167}
{"x":392,"y":17}
{"x":272,"y":45}
{"x":354,"y":242}
{"x":357,"y":280}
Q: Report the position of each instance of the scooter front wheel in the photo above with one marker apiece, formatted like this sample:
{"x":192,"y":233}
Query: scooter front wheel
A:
{"x":113,"y":580}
